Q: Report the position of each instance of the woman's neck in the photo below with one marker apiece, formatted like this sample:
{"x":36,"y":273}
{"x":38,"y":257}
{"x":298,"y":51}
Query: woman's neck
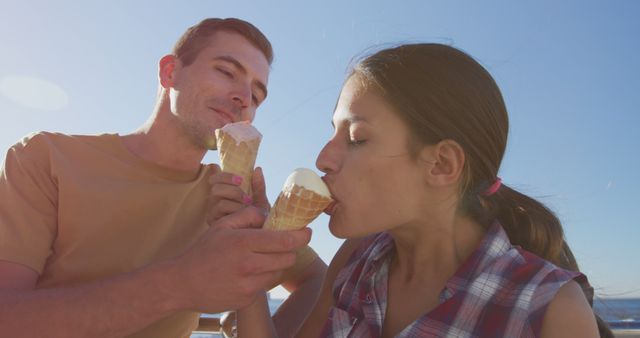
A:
{"x":434,"y":249}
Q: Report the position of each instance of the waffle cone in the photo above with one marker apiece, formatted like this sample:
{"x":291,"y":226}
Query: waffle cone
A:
{"x":238,"y":158}
{"x":295,"y":209}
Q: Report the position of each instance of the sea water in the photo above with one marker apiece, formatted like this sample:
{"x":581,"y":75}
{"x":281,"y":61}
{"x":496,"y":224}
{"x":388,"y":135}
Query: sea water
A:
{"x":620,"y":313}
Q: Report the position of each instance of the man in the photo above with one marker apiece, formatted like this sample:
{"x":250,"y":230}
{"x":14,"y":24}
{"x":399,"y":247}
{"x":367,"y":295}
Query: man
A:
{"x":112,"y":236}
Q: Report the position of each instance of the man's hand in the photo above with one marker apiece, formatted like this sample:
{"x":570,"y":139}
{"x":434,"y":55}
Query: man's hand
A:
{"x":235,"y":260}
{"x":226,"y":197}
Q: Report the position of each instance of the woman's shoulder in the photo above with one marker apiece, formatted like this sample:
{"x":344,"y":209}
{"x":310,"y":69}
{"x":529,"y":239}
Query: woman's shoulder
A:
{"x":316,"y":320}
{"x":527,"y":266}
{"x":569,"y":315}
{"x":553,"y":293}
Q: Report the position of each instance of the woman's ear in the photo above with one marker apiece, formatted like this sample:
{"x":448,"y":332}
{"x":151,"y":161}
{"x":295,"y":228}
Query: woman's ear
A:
{"x":167,"y":66}
{"x":447,"y":162}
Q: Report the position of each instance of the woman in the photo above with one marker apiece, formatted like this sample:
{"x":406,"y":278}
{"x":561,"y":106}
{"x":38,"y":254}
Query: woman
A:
{"x":437,"y":245}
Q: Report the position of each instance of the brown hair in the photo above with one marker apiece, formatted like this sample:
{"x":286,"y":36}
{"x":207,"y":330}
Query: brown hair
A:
{"x":194,"y":39}
{"x":443,"y":93}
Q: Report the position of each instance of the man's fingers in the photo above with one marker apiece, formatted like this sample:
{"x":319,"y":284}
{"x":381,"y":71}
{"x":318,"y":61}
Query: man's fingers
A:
{"x":259,"y":190}
{"x":271,"y":262}
{"x":280,"y":241}
{"x":247,"y":217}
{"x":223,"y":208}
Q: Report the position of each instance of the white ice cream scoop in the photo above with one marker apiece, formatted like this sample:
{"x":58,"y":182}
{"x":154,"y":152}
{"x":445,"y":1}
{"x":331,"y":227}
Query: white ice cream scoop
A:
{"x":308,"y":179}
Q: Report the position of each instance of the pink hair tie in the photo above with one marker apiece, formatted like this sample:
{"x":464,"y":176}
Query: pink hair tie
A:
{"x":493,"y":188}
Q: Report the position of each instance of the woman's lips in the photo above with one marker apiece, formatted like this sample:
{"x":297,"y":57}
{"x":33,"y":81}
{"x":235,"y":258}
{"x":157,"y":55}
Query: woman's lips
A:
{"x":331,"y":208}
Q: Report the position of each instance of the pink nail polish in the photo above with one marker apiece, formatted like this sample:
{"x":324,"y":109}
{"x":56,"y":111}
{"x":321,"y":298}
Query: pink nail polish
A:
{"x":247,"y":200}
{"x":237,"y":179}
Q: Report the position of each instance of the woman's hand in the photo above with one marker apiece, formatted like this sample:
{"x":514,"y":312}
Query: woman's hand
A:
{"x":226,"y":197}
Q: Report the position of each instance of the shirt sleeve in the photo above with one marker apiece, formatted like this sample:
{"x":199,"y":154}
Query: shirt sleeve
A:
{"x":547,"y":290}
{"x":28,"y":204}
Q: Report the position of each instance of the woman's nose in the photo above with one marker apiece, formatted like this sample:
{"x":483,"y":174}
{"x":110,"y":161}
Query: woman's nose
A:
{"x":328,"y":158}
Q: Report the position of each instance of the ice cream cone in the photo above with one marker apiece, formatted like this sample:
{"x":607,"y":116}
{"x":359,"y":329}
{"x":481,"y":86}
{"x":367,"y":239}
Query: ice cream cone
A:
{"x":238,"y":145}
{"x":297,"y":205}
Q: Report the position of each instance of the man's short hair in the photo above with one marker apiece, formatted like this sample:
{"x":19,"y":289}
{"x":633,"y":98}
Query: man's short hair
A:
{"x":195,"y":38}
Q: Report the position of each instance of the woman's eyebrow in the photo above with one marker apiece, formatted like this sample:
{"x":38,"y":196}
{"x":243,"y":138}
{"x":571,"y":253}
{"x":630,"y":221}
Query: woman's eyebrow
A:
{"x":352,"y":119}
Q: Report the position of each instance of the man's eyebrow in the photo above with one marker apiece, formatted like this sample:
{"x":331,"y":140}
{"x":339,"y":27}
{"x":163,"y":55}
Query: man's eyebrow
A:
{"x":261,"y":86}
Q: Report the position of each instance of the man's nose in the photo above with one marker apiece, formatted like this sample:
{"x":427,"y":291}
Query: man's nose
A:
{"x":243,"y":107}
{"x":241,"y":95}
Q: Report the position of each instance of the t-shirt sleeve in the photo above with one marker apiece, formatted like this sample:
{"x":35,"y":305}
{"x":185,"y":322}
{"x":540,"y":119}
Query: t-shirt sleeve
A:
{"x":304,"y":257}
{"x":28,"y":204}
{"x":547,"y":290}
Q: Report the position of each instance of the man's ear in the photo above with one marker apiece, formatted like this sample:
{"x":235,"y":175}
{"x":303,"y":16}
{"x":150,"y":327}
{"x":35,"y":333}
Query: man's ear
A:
{"x":167,"y":66}
{"x":446,"y":160}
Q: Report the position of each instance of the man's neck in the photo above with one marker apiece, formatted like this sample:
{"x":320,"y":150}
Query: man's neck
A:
{"x":164,"y":144}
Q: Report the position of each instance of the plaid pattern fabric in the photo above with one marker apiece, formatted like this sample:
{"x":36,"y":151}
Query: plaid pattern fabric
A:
{"x":499,"y":291}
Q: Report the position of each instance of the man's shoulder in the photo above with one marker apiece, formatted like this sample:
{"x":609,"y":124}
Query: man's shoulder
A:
{"x":45,"y":140}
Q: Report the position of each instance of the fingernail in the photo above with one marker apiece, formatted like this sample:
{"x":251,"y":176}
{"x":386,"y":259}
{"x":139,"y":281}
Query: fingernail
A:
{"x":236,"y":179}
{"x":247,"y":199}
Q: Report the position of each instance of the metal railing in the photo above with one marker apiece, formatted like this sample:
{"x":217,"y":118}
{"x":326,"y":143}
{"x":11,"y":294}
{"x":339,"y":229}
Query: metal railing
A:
{"x":224,"y":325}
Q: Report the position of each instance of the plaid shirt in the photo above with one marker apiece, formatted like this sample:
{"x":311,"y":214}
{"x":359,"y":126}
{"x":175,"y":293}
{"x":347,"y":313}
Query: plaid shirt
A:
{"x":499,"y":291}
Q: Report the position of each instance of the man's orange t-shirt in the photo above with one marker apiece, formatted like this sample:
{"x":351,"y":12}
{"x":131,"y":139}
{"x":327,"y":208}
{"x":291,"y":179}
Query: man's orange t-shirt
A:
{"x":78,"y":209}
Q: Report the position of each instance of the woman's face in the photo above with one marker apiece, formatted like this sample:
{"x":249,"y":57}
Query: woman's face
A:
{"x":377,"y":185}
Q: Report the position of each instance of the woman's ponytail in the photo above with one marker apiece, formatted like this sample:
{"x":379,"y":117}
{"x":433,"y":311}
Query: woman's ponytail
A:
{"x":532,"y":226}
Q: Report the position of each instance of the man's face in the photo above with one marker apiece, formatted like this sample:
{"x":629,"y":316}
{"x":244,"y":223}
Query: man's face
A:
{"x":225,"y":83}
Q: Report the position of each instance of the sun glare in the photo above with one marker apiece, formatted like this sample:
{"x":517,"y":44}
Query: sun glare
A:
{"x":34,"y":92}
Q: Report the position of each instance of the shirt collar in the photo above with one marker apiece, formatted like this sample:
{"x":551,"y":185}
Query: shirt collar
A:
{"x":384,"y":246}
{"x":494,"y":244}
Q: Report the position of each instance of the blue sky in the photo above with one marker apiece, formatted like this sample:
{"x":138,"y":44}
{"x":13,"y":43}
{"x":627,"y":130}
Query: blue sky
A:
{"x":568,"y":70}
